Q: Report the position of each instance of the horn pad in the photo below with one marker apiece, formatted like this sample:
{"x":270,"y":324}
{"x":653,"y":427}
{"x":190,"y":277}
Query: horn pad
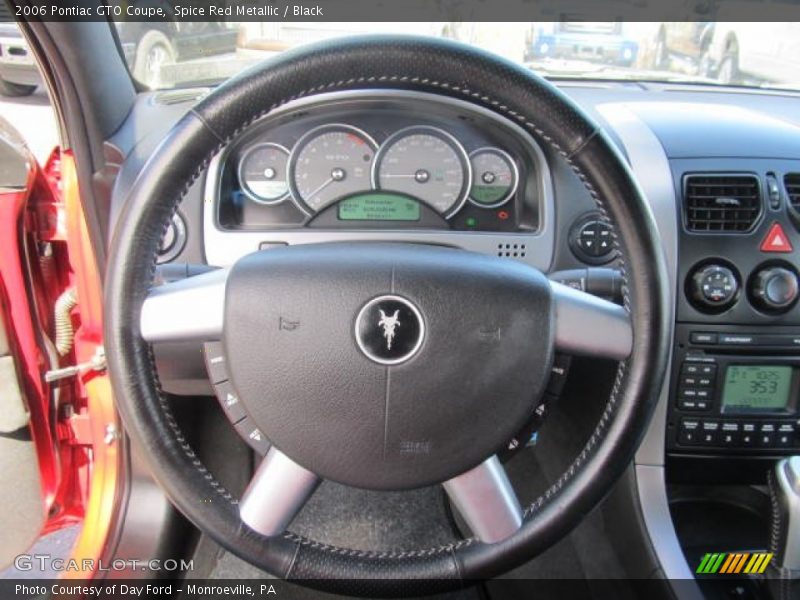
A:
{"x":387,"y":366}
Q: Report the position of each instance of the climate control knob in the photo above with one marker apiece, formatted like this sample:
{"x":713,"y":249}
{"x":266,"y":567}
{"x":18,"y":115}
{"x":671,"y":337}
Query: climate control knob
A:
{"x":774,"y":289}
{"x":713,"y":287}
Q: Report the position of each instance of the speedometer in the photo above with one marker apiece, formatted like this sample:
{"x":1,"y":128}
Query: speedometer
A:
{"x":426,"y":163}
{"x":329,"y":163}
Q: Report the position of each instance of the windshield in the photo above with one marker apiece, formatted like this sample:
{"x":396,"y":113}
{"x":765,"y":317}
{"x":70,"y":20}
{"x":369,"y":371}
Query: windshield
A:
{"x":165,"y":55}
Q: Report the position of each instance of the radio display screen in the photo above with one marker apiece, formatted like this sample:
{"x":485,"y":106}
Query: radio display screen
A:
{"x":756,"y":388}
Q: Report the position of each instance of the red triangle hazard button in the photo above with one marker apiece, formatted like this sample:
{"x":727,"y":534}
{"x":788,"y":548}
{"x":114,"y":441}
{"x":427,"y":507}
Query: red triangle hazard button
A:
{"x":776,"y":240}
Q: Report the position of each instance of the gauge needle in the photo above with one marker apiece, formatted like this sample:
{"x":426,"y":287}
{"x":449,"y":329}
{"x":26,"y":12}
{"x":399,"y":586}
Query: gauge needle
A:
{"x":322,"y":187}
{"x":398,"y":175}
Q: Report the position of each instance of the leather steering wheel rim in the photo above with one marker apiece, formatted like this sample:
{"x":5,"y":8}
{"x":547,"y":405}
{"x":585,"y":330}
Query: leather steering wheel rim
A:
{"x":379,"y":62}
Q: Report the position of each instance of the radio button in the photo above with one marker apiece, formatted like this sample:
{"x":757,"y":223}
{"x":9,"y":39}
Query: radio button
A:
{"x":690,"y":368}
{"x":688,"y":393}
{"x":704,"y":338}
{"x":732,"y":339}
{"x":766,"y":440}
{"x":710,"y":433}
{"x":748,"y":436}
{"x":693,"y":405}
{"x":730,"y":434}
{"x":689,"y":434}
{"x":703,"y":394}
{"x":705,"y":381}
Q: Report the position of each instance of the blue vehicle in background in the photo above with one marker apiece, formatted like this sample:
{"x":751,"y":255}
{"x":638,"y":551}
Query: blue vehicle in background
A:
{"x":597,"y":42}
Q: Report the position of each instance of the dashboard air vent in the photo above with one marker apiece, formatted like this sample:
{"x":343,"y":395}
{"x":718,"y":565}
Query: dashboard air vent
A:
{"x":792,"y":183}
{"x":721,"y":203}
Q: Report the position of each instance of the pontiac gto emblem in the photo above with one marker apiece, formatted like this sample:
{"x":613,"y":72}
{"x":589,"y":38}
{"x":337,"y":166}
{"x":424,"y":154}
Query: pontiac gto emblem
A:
{"x":389,"y":324}
{"x":389,"y":329}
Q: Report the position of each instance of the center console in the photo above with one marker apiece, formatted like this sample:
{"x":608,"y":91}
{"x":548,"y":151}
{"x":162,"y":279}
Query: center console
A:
{"x":734,"y":387}
{"x":735,"y":377}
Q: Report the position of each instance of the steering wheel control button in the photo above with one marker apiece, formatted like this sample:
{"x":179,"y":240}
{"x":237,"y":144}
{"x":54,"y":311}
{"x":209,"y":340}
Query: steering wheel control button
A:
{"x":215,"y":362}
{"x":230,"y":402}
{"x":389,"y":330}
{"x":251,"y":434}
{"x":591,"y":240}
{"x":713,"y":288}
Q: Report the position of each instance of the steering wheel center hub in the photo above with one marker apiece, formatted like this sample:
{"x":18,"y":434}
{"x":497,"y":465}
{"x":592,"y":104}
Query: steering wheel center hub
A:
{"x":405,"y":365}
{"x":389,"y":329}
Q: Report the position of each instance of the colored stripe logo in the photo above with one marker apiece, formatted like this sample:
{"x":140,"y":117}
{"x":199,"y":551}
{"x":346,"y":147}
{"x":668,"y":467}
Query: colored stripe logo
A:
{"x":731,"y":563}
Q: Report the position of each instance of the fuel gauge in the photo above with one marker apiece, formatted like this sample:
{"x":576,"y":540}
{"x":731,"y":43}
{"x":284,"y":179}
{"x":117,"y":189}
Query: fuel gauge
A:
{"x":494,"y":177}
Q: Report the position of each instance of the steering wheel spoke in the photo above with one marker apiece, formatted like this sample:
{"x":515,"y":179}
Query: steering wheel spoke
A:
{"x":277,"y":492}
{"x":486,"y":500}
{"x":191,"y":309}
{"x":590,"y":326}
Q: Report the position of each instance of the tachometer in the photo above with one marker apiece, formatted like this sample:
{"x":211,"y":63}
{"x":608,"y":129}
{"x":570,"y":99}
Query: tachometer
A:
{"x":426,"y":163}
{"x":329,"y":163}
{"x":262,"y":173}
{"x":494,"y":177}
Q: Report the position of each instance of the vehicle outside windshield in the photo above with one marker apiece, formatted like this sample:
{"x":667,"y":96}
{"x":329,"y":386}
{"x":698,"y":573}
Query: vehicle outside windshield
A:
{"x":164,"y":55}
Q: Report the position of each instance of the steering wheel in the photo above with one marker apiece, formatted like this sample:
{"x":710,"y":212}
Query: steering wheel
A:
{"x":471,"y":338}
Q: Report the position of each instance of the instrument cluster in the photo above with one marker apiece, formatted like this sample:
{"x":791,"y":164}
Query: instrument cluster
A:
{"x":385,"y":167}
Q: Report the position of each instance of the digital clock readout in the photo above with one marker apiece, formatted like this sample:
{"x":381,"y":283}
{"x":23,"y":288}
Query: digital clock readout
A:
{"x":756,"y":388}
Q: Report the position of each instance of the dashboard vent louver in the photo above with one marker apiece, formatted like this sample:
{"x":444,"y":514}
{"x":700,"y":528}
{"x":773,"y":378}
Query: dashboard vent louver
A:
{"x":792,"y":183}
{"x":721,"y":203}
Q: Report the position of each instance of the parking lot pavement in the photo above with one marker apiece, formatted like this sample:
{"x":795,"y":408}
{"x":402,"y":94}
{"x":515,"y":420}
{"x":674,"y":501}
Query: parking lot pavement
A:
{"x":35,"y":120}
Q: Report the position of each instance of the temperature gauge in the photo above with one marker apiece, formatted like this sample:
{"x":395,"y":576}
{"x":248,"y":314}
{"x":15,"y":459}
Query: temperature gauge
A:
{"x":494,"y":177}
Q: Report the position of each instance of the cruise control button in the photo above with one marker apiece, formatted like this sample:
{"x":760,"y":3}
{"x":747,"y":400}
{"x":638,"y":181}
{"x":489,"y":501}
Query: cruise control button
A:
{"x":215,"y":362}
{"x":229,"y":400}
